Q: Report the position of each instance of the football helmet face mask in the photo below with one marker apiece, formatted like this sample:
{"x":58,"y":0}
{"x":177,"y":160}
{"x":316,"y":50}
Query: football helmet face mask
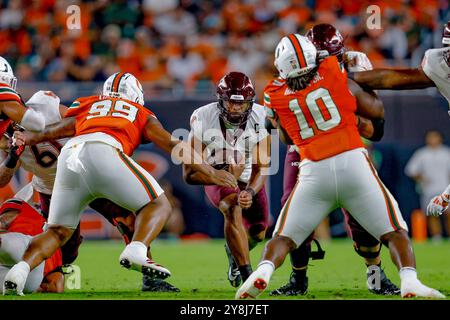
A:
{"x":236,"y":95}
{"x":446,"y":35}
{"x":446,"y":43}
{"x":124,"y":85}
{"x":6,"y":74}
{"x":327,"y":38}
{"x":295,"y":56}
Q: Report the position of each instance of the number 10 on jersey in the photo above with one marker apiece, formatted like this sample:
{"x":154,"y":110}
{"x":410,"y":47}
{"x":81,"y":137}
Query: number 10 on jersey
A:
{"x":325,"y":118}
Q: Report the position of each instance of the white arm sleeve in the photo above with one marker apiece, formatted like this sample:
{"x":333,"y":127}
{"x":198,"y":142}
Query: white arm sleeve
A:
{"x":33,"y":121}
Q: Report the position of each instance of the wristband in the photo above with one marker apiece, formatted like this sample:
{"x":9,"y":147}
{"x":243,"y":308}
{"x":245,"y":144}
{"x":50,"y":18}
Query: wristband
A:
{"x":13,"y":156}
{"x":11,"y":160}
{"x":251,"y":191}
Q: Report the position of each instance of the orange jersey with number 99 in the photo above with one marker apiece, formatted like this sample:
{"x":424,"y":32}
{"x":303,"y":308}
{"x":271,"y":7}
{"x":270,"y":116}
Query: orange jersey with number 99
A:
{"x":319,"y":119}
{"x":122,"y":119}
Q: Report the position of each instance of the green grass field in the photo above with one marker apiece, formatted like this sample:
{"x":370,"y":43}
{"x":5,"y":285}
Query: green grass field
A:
{"x":199,"y":270}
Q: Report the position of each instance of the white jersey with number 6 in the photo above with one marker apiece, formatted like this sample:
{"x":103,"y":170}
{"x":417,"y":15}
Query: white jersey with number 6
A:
{"x":41,"y":159}
{"x":237,"y":143}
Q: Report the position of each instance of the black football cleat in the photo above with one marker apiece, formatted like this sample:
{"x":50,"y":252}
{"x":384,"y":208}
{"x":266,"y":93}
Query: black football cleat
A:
{"x":387,"y":288}
{"x":294,"y":287}
{"x":233,"y":274}
{"x":157,"y":285}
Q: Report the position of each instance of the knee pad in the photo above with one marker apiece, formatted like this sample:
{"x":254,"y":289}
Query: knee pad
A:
{"x":319,"y":254}
{"x":366,"y":254}
{"x":360,"y":235}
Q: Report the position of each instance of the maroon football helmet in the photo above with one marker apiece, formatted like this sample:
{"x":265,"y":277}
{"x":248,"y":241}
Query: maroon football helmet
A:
{"x":236,"y":94}
{"x":446,"y":42}
{"x":446,"y":34}
{"x":326,"y":37}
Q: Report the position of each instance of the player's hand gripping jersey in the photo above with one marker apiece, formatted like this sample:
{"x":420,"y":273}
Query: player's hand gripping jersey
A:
{"x":121,"y":119}
{"x":319,"y":119}
{"x":41,"y":159}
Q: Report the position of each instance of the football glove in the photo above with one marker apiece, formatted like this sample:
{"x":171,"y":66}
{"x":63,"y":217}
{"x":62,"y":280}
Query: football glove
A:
{"x":14,"y":154}
{"x":357,"y":61}
{"x":438,"y":205}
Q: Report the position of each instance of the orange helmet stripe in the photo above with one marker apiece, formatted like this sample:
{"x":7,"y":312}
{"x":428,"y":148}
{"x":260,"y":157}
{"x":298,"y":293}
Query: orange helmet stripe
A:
{"x":116,"y":81}
{"x":298,"y":50}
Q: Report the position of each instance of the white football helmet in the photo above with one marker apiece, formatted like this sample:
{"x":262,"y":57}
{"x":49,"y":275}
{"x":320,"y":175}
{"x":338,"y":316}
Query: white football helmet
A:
{"x":6,"y":74}
{"x":295,"y":56}
{"x":124,"y":85}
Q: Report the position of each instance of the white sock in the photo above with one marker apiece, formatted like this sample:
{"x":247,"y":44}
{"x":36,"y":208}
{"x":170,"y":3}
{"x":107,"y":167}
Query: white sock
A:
{"x":267,"y":267}
{"x":23,"y":266}
{"x":408,"y":273}
{"x":138,"y":247}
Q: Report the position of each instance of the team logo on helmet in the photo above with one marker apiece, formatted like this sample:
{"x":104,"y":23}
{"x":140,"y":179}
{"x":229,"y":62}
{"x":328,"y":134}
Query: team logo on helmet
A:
{"x":295,"y":55}
{"x":446,"y":34}
{"x":6,"y":74}
{"x":124,"y":85}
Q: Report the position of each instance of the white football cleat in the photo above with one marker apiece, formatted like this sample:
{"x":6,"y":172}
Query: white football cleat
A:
{"x":130,"y":260}
{"x":14,"y":281}
{"x":254,"y":285}
{"x":415,"y":288}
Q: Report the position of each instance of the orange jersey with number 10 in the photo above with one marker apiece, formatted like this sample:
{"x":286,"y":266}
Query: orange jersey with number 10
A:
{"x":319,"y":119}
{"x":122,"y":119}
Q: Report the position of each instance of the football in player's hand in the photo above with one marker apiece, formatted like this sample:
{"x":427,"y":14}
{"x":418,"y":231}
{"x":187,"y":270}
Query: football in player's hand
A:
{"x":230,"y":160}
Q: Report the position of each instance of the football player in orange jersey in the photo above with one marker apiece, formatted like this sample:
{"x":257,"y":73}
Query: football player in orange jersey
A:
{"x":96,"y":163}
{"x":315,"y":105}
{"x":41,"y":161}
{"x":19,"y":222}
{"x":328,"y":41}
{"x":11,"y":105}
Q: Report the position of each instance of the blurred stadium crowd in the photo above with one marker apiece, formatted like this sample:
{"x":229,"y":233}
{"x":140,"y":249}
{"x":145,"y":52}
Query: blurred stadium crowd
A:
{"x":185,"y":46}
